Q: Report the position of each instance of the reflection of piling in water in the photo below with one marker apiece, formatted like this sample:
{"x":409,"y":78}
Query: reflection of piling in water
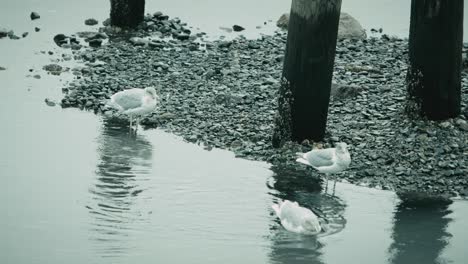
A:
{"x":419,"y":232}
{"x":125,"y":164}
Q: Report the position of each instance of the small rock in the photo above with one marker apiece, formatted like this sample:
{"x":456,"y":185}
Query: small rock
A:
{"x":341,"y":91}
{"x":157,"y":14}
{"x":183,"y":36}
{"x":225,"y":44}
{"x":91,"y":22}
{"x":35,"y":15}
{"x":3,"y":32}
{"x":49,"y":102}
{"x":237,"y":28}
{"x":37,"y":76}
{"x":12,"y":35}
{"x":60,"y":39}
{"x":2,"y":68}
{"x":463,"y":126}
{"x":283,"y":21}
{"x":138,"y":41}
{"x":445,"y":124}
{"x":53,"y":68}
{"x":253,"y":45}
{"x":95,"y":43}
{"x":37,"y":29}
{"x":106,"y":22}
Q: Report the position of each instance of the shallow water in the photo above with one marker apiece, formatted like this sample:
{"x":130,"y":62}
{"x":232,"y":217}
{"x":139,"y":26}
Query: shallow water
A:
{"x":80,"y":189}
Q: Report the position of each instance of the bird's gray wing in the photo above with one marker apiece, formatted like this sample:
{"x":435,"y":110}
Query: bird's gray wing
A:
{"x":129,"y":99}
{"x":320,"y":157}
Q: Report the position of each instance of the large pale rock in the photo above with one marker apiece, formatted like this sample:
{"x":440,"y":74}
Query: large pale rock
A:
{"x":348,"y":28}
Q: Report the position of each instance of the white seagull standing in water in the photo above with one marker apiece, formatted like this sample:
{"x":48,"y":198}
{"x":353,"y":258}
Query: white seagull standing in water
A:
{"x":297,"y":219}
{"x":330,"y":160}
{"x":135,"y":102}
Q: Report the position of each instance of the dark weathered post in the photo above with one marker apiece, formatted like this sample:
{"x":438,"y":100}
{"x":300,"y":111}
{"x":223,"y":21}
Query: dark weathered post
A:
{"x":435,"y":54}
{"x":127,"y":13}
{"x":307,"y":70}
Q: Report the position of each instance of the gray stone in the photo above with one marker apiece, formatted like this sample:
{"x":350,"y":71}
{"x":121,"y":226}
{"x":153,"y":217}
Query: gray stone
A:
{"x":91,"y":22}
{"x":283,"y":21}
{"x":50,"y":102}
{"x":3,"y":32}
{"x":350,"y":28}
{"x":60,"y":39}
{"x":106,"y":22}
{"x":35,"y":15}
{"x":238,"y":28}
{"x":225,"y":44}
{"x":464,"y":126}
{"x":95,"y":43}
{"x":138,"y":41}
{"x":342,"y":91}
{"x":54,"y":69}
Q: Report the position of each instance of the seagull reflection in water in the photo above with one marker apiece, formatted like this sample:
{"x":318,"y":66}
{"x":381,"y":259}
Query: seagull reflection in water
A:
{"x":117,"y":197}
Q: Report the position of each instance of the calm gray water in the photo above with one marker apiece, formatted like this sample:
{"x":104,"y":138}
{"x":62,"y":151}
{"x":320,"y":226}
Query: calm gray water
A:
{"x":79,"y":189}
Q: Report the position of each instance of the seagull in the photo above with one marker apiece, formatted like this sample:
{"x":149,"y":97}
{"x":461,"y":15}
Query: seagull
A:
{"x":327,"y":161}
{"x":135,"y":102}
{"x":297,"y":219}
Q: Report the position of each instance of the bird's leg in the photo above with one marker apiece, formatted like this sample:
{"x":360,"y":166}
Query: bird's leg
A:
{"x":334,"y":186}
{"x":136,"y":124}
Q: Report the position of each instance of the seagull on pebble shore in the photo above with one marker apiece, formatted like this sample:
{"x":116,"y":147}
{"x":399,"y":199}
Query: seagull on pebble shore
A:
{"x":327,"y":161}
{"x":135,"y":102}
{"x":297,"y":219}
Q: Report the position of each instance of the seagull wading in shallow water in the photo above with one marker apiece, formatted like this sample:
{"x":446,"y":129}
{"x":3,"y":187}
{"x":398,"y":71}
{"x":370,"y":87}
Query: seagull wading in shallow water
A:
{"x":327,"y":161}
{"x":297,"y":219}
{"x":135,"y":102}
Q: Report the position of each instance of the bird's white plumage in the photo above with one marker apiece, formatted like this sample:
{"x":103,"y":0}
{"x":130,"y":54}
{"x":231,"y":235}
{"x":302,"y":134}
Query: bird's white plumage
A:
{"x":135,"y":102}
{"x":330,"y":160}
{"x":297,"y":219}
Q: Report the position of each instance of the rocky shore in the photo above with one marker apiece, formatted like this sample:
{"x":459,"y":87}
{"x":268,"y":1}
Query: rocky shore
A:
{"x":223,"y":94}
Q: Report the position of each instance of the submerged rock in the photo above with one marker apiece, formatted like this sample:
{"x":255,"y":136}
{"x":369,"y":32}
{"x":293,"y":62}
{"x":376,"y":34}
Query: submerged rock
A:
{"x":3,"y":32}
{"x":237,"y":28}
{"x":50,"y":102}
{"x":35,"y":15}
{"x":91,"y":22}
